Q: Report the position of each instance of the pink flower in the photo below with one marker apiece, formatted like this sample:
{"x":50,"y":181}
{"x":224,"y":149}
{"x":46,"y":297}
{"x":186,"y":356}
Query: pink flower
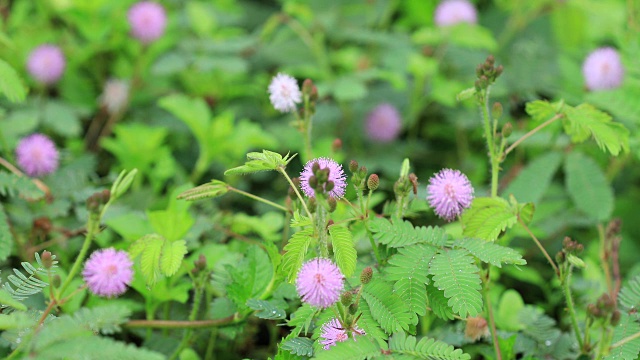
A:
{"x":115,"y":96}
{"x":46,"y":64}
{"x":284,"y":93}
{"x":147,"y":20}
{"x":333,"y":332}
{"x":449,"y":192}
{"x":383,"y":123}
{"x":451,"y":12}
{"x":336,"y":180}
{"x":603,"y":70}
{"x":108,"y":272}
{"x":320,"y":282}
{"x":37,"y":155}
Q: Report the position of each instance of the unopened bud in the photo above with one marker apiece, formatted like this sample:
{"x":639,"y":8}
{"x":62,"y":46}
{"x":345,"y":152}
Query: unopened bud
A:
{"x":499,"y":70}
{"x":414,"y":182}
{"x":614,"y":227}
{"x":593,"y":310}
{"x":373,"y":182}
{"x":312,"y":204}
{"x":353,"y":166}
{"x":329,"y":185}
{"x":307,"y":85}
{"x":479,"y":70}
{"x":491,"y":60}
{"x":366,"y":275}
{"x":201,"y":262}
{"x":615,"y":318}
{"x":362,"y":172}
{"x":496,"y":110}
{"x":566,"y":242}
{"x":336,"y":145}
{"x":55,"y":281}
{"x":560,"y":257}
{"x":47,"y":259}
{"x":346,"y":298}
{"x":333,"y":203}
{"x":315,"y":167}
{"x":476,"y":328}
{"x":313,"y":182}
{"x":507,"y":129}
{"x":579,"y":248}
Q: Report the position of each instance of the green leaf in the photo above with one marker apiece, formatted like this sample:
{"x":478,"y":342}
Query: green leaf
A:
{"x":301,"y":319}
{"x":17,"y":320}
{"x":541,"y":110}
{"x":296,"y":249}
{"x":363,"y":348}
{"x":455,"y":272}
{"x":472,"y":36}
{"x":6,"y":239}
{"x":7,"y":300}
{"x":628,"y":351}
{"x":12,"y":185}
{"x":194,"y":112}
{"x":250,"y":277}
{"x":588,"y":186}
{"x":409,"y":269}
{"x":172,"y":256}
{"x":508,"y":309}
{"x":344,"y":250}
{"x":487,"y":218}
{"x":266,"y":310}
{"x":621,"y":103}
{"x":426,"y":348}
{"x":575,"y":261}
{"x":299,"y":346}
{"x":265,"y":161}
{"x":629,"y":297}
{"x":402,"y":233}
{"x":10,"y":84}
{"x":213,"y":189}
{"x":387,"y":308}
{"x":105,"y":319}
{"x":491,"y":253}
{"x":149,"y":249}
{"x":534,"y":180}
{"x":438,"y":303}
{"x":584,"y":121}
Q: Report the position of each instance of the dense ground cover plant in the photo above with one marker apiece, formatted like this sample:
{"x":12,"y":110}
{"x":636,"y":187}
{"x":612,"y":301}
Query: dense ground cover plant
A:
{"x":331,"y":180}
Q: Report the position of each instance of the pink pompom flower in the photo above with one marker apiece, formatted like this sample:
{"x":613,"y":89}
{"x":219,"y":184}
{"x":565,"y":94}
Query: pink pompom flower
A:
{"x":336,"y":177}
{"x":115,"y":96}
{"x":333,"y":332}
{"x":284,"y":93}
{"x":451,"y":12}
{"x":37,"y":155}
{"x":449,"y":192}
{"x":108,"y":272}
{"x":147,"y":20}
{"x":383,"y":123}
{"x":603,"y":70}
{"x":320,"y":282}
{"x":46,"y":64}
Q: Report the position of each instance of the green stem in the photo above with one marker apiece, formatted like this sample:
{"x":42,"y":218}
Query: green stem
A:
{"x":566,"y":287}
{"x":257,"y":198}
{"x":209,"y":354}
{"x":321,"y":229}
{"x":304,"y":204}
{"x":192,"y":316}
{"x":605,"y":340}
{"x":531,"y":132}
{"x":181,"y":324}
{"x":488,"y":133}
{"x":535,"y":239}
{"x":373,"y":242}
{"x":489,"y":309}
{"x":93,"y":225}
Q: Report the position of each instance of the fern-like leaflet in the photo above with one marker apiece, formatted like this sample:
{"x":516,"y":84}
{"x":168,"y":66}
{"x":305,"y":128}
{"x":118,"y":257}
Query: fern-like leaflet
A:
{"x":29,"y":285}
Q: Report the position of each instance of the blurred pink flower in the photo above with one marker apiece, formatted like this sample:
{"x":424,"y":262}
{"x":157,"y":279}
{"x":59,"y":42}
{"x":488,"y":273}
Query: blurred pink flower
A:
{"x":603,"y":70}
{"x":284,"y":93}
{"x":333,"y":332}
{"x":451,"y":12}
{"x":115,"y":95}
{"x":449,"y":192}
{"x":147,"y":20}
{"x":46,"y":64}
{"x":383,"y":123}
{"x":336,"y":176}
{"x":320,"y":282}
{"x":37,"y":155}
{"x":108,"y":272}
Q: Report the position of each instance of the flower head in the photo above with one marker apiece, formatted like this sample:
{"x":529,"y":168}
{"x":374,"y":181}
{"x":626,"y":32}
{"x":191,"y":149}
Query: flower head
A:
{"x":383,"y":123}
{"x":328,"y":174}
{"x":451,"y":12}
{"x":320,"y":282}
{"x":603,"y":69}
{"x":449,"y":192}
{"x":115,"y":95}
{"x":333,"y":332}
{"x":37,"y":155}
{"x":108,"y":272}
{"x":46,"y":64}
{"x":284,"y":93}
{"x":147,"y":20}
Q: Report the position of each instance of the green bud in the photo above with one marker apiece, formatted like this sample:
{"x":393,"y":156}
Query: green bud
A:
{"x":366,"y":275}
{"x":560,"y":257}
{"x":353,"y":166}
{"x":313,"y":182}
{"x":507,"y":129}
{"x":333,"y":203}
{"x":373,"y":182}
{"x":346,"y":298}
{"x":615,"y":318}
{"x":496,"y":110}
{"x":47,"y":259}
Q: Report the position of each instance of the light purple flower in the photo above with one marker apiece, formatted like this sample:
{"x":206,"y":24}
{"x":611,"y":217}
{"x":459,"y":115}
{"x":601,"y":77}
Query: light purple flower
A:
{"x":37,"y":155}
{"x":46,"y":64}
{"x":336,"y":176}
{"x":603,"y":70}
{"x":320,"y":282}
{"x":284,"y":93}
{"x":449,"y":192}
{"x":383,"y":123}
{"x":451,"y":12}
{"x":115,"y":95}
{"x":108,"y":272}
{"x":147,"y":20}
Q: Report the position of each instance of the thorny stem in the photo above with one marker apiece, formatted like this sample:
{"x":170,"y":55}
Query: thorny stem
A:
{"x":530,"y":133}
{"x":304,"y":204}
{"x":492,"y":323}
{"x":535,"y":239}
{"x":258,"y":198}
{"x":566,"y":287}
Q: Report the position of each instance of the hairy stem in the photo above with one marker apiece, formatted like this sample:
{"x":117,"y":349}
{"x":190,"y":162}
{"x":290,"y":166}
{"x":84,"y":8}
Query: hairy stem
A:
{"x":530,"y":133}
{"x":489,"y":309}
{"x":535,"y":239}
{"x":197,"y":297}
{"x":93,"y":225}
{"x":293,"y":186}
{"x":566,"y":287}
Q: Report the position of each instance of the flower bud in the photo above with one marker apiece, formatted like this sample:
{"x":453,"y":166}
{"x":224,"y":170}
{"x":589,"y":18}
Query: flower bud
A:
{"x":498,"y":71}
{"x":329,"y":185}
{"x":507,"y":129}
{"x":47,"y":259}
{"x":476,"y":328}
{"x":362,"y":172}
{"x":560,"y":257}
{"x":496,"y":110}
{"x":615,"y":318}
{"x":373,"y":182}
{"x":312,"y":204}
{"x":346,"y":298}
{"x":313,"y":182}
{"x":353,"y":166}
{"x":307,"y":85}
{"x":336,"y":145}
{"x":490,"y":60}
{"x":315,"y":167}
{"x":366,"y":275}
{"x":55,"y":282}
{"x":201,"y":262}
{"x":593,"y":310}
{"x":333,"y":203}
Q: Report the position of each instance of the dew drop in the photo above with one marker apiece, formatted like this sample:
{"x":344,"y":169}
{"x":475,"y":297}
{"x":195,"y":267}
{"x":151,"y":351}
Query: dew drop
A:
{"x":547,"y":342}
